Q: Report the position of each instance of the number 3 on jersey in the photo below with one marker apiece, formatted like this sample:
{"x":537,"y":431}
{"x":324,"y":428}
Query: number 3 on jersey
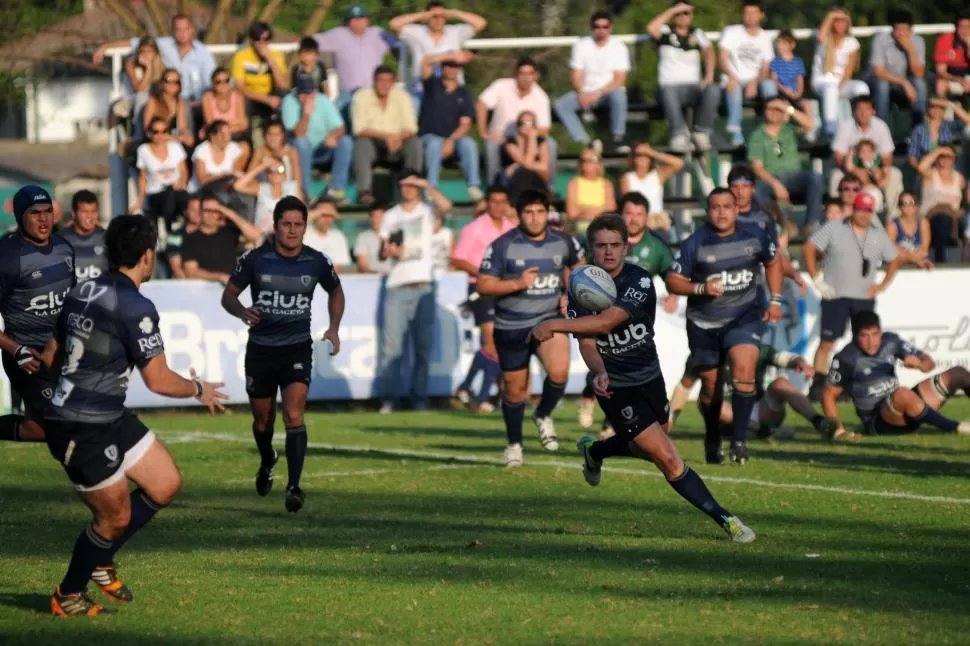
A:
{"x":73,"y":351}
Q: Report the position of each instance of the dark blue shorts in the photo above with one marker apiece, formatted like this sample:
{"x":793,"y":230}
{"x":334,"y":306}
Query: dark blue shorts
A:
{"x":515,"y":348}
{"x":708,"y":348}
{"x":631,"y":409}
{"x":876,"y":425}
{"x":271,"y":369}
{"x":35,"y":390}
{"x":837,"y":313}
{"x":482,"y":308}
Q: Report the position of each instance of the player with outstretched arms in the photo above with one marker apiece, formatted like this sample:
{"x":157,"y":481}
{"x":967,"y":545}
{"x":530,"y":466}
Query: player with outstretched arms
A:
{"x":106,"y":328}
{"x":282,"y":276}
{"x":618,"y":345}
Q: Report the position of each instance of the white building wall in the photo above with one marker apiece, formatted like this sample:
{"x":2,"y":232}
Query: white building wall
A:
{"x":63,"y":110}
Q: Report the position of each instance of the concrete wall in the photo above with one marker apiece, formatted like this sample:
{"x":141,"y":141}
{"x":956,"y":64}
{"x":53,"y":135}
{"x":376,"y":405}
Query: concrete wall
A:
{"x":67,"y":110}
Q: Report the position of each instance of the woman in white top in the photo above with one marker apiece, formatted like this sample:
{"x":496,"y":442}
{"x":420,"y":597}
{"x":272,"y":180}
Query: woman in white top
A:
{"x":269,"y":192}
{"x":835,"y":63}
{"x":217,"y":157}
{"x":163,"y":174}
{"x":647,"y":178}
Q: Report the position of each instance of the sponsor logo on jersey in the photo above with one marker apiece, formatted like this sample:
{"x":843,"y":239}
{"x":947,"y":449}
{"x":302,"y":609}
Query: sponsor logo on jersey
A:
{"x":632,"y":294}
{"x":734,"y":281}
{"x":81,"y":323}
{"x":98,"y":250}
{"x":146,"y":326}
{"x":629,"y":338}
{"x":305,"y":281}
{"x":282,"y":304}
{"x":87,"y":272}
{"x":151,"y":345}
{"x":37,"y":274}
{"x":48,"y":304}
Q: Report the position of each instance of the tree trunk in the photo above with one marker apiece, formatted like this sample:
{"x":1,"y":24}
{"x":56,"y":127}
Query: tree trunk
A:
{"x":126,"y":16}
{"x":180,"y":7}
{"x":319,"y":14}
{"x":252,"y":10}
{"x":551,"y":14}
{"x":220,"y":18}
{"x":269,"y":13}
{"x":157,"y":17}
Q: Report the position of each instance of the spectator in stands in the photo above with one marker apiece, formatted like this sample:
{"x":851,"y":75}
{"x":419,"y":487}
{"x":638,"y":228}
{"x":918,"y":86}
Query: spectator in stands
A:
{"x":447,"y":111}
{"x":163,"y":175}
{"x":866,"y":125}
{"x":746,"y":52}
{"x":409,"y":300}
{"x":598,"y":67}
{"x":259,"y":72}
{"x":275,"y":146}
{"x":897,"y":63}
{"x":685,"y":76}
{"x":525,"y":158}
{"x":317,"y":131}
{"x":166,"y":104}
{"x":835,"y":63}
{"x":209,"y":252}
{"x":910,"y":231}
{"x":942,"y":194}
{"x":833,"y":205}
{"x":367,"y":247}
{"x":309,"y":66}
{"x":218,"y":157}
{"x":865,"y":165}
{"x":427,"y":33}
{"x":181,"y":52}
{"x":442,"y":244}
{"x":225,"y":103}
{"x":590,"y":194}
{"x":508,"y":98}
{"x":786,"y":70}
{"x":647,"y":172}
{"x":268,"y":192}
{"x":144,"y":70}
{"x":951,"y":59}
{"x":322,"y":235}
{"x":773,"y":153}
{"x":936,"y":130}
{"x":385,"y":129}
{"x":175,"y":237}
{"x":358,"y":49}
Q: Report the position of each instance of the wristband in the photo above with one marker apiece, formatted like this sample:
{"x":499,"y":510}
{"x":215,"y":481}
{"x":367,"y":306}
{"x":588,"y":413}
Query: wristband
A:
{"x":700,"y":289}
{"x":199,"y":388}
{"x":777,"y":299}
{"x":23,"y":356}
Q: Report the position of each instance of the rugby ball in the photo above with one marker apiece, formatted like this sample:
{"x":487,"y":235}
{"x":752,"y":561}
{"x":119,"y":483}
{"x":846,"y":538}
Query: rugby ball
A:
{"x":592,"y":288}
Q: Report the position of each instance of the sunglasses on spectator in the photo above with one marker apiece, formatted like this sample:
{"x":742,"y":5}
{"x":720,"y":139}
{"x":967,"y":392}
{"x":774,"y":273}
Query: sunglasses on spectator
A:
{"x":602,"y":25}
{"x":222,"y":81}
{"x":522,"y":124}
{"x":172,"y":81}
{"x":849,"y":189}
{"x":157,"y":131}
{"x":908,"y":203}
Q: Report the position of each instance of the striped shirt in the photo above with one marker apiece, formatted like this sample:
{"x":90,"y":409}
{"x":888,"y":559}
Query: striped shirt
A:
{"x":869,"y":379}
{"x":844,"y":253}
{"x":788,"y":71}
{"x":922,"y":144}
{"x":33,"y":283}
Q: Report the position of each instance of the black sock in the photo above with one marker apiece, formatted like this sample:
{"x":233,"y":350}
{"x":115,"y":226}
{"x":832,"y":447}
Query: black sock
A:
{"x":612,"y":447}
{"x":817,"y":419}
{"x":296,"y":443}
{"x":90,"y":551}
{"x":690,"y":486}
{"x":490,"y":373}
{"x":143,"y":509}
{"x":588,"y":392}
{"x":934,"y":418}
{"x":712,"y":427}
{"x":476,"y":367}
{"x":513,"y":415}
{"x":551,"y":394}
{"x":264,"y":442}
{"x":10,"y":428}
{"x":741,"y":405}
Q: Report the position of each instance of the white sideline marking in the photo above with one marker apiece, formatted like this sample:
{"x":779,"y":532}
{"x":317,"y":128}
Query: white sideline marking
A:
{"x":472,"y":460}
{"x":369,"y":472}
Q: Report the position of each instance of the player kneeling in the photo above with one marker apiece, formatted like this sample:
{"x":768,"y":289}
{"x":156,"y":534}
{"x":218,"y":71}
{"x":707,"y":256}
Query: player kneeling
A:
{"x":866,"y":367}
{"x":105,"y":328}
{"x":618,"y":346}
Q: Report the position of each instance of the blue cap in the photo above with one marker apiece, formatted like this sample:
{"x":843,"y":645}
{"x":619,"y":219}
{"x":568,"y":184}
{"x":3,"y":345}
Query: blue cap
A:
{"x":305,"y":85}
{"x":27,"y":197}
{"x":356,"y":11}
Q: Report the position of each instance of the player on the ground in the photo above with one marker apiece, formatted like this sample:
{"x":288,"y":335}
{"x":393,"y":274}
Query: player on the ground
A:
{"x":525,"y":270}
{"x":866,"y":368}
{"x":717,"y":269}
{"x":105,"y":329}
{"x":282,"y":276}
{"x":36,"y":272}
{"x":87,"y":238}
{"x":618,"y":345}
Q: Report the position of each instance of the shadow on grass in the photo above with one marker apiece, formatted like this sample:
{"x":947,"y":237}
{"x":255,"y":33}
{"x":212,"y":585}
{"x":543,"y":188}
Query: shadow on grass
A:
{"x":858,"y":461}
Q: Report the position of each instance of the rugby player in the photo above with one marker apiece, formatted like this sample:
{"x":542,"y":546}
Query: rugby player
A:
{"x":717,"y":269}
{"x":36,"y":272}
{"x":866,"y":369}
{"x":282,"y":276}
{"x":106,"y":328}
{"x":618,"y":346}
{"x":87,"y":238}
{"x":525,"y":270}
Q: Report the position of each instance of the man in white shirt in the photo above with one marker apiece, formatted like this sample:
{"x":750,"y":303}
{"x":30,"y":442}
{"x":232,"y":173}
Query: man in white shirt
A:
{"x":598,"y":70}
{"x":507,"y":98}
{"x":409,"y":305}
{"x":367,"y":246}
{"x":323,"y":236}
{"x":746,"y":52}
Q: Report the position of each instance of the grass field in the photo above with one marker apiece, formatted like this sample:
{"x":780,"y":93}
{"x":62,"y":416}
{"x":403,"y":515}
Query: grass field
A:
{"x":413,"y":534}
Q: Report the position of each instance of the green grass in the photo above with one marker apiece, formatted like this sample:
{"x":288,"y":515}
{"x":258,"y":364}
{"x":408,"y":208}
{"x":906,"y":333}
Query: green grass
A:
{"x":401,"y":545}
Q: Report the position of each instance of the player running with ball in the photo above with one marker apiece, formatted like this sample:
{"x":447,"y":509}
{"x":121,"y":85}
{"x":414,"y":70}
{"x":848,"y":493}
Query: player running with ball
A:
{"x":618,"y":345}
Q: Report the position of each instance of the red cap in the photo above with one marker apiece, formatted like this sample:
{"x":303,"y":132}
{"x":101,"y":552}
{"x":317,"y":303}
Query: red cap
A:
{"x":865,"y":202}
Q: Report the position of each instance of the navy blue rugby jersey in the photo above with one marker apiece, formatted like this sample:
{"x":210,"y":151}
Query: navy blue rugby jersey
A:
{"x":869,"y":379}
{"x":90,"y":259}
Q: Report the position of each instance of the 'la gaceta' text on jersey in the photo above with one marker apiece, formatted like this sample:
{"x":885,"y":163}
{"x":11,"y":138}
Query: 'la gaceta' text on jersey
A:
{"x":869,"y":379}
{"x":510,"y":255}
{"x":106,"y":327}
{"x":33,"y":283}
{"x":282,"y":288}
{"x":629,"y":351}
{"x":90,"y":260}
{"x":736,"y":260}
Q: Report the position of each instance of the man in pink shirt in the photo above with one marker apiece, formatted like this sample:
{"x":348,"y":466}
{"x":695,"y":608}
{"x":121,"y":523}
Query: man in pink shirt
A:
{"x":508,"y":98}
{"x":473,"y":241}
